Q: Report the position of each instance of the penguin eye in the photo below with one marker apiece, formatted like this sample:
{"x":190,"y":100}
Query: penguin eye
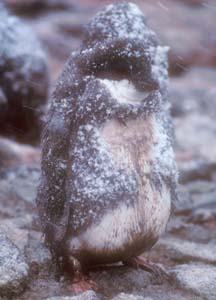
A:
{"x":113,"y":69}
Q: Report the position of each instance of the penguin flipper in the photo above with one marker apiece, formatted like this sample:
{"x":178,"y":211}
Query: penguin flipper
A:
{"x":51,"y":200}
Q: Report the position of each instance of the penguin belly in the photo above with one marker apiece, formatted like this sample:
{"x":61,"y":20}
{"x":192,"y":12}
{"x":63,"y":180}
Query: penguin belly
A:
{"x":124,"y":232}
{"x":127,"y":230}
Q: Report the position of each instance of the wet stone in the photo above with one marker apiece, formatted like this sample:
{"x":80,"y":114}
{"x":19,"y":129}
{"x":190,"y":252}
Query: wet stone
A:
{"x":183,"y":250}
{"x":17,"y":235}
{"x":89,"y":295}
{"x":191,"y":93}
{"x":195,"y":170}
{"x":13,"y":268}
{"x":24,"y":79}
{"x":196,"y":195}
{"x":201,"y":187}
{"x":123,"y":296}
{"x":13,"y":154}
{"x":25,"y":190}
{"x":177,"y":29}
{"x":37,"y":6}
{"x":35,"y":251}
{"x":189,"y":277}
{"x":198,"y":233}
{"x":196,"y":3}
{"x":18,"y":191}
{"x":197,"y":146}
{"x":202,"y":215}
{"x":122,"y":279}
{"x":176,"y":223}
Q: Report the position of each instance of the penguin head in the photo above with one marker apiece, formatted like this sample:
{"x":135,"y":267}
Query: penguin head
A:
{"x":119,"y":45}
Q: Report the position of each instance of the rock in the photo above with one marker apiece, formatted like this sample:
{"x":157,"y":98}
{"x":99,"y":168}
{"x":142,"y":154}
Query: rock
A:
{"x":23,"y":183}
{"x":196,"y":146}
{"x":198,"y":3}
{"x":123,"y":296}
{"x":70,"y":24}
{"x":196,"y":195}
{"x":18,"y":236}
{"x":190,"y":143}
{"x":197,"y":278}
{"x":197,"y":169}
{"x":13,"y":154}
{"x":184,"y":29}
{"x":122,"y":279}
{"x":190,"y":93}
{"x":203,"y":200}
{"x":30,"y":244}
{"x":18,"y":192}
{"x":25,"y":189}
{"x":89,"y":295}
{"x":200,"y":187}
{"x":194,"y":108}
{"x":13,"y":268}
{"x":43,"y":285}
{"x":24,"y":78}
{"x":60,"y":33}
{"x":176,"y":224}
{"x":192,"y":82}
{"x":35,"y":251}
{"x":184,"y":251}
{"x":202,"y":215}
{"x":36,"y":6}
{"x":197,"y":233}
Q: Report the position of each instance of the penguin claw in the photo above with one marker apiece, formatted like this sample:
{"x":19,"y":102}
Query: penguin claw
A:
{"x":146,"y":265}
{"x":83,"y":285}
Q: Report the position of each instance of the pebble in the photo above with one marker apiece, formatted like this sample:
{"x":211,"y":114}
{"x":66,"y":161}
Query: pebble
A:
{"x":13,"y":268}
{"x":190,"y":277}
{"x":183,"y":250}
{"x":123,"y":296}
{"x":89,"y":295}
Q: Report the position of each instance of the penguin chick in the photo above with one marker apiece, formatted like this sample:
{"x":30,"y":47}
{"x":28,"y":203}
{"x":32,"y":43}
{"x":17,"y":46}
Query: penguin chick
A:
{"x":108,"y":167}
{"x":24,"y":78}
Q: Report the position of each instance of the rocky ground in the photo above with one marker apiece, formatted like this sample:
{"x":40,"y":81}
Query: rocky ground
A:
{"x":188,"y":249}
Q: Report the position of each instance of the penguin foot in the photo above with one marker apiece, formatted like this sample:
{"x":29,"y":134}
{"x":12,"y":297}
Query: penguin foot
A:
{"x":83,"y":284}
{"x":140,"y":262}
{"x":81,"y":281}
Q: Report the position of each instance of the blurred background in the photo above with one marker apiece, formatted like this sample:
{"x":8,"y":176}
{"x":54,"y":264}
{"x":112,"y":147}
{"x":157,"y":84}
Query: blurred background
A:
{"x":188,"y":27}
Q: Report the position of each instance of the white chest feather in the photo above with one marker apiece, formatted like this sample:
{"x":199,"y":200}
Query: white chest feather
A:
{"x":130,"y":147}
{"x":124,"y":225}
{"x":124,"y":91}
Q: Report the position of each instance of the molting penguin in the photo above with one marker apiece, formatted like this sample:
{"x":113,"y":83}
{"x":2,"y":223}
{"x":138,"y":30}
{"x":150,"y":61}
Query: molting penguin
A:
{"x":108,"y":167}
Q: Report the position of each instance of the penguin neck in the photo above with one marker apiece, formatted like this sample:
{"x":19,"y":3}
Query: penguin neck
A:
{"x":124,"y":91}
